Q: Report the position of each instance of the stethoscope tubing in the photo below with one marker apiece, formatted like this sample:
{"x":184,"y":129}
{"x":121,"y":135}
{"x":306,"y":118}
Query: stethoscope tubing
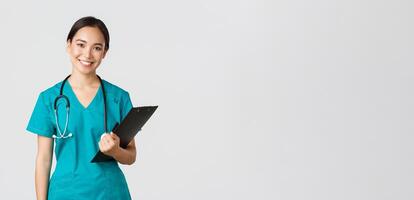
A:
{"x":63,"y":135}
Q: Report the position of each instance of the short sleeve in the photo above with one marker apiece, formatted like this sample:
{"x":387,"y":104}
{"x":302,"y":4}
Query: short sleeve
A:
{"x":41,"y":119}
{"x":126,"y":105}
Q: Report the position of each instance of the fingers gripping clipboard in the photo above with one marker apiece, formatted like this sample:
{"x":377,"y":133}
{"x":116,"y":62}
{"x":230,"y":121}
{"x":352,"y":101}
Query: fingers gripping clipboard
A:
{"x":129,"y":127}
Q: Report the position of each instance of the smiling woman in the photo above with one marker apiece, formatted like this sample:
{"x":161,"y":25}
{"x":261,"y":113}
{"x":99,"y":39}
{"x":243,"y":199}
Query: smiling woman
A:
{"x":85,"y":105}
{"x":87,"y":44}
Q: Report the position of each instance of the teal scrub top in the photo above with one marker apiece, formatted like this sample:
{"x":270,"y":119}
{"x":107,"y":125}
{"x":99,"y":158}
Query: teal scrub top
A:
{"x":75,"y":177}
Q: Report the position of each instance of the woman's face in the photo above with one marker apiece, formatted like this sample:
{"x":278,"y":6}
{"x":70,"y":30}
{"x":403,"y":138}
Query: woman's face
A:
{"x":86,"y":50}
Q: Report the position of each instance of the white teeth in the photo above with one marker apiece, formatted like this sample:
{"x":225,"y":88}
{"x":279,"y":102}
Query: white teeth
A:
{"x":85,"y":62}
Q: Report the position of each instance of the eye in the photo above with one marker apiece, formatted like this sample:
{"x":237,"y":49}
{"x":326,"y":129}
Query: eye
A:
{"x":98,"y":48}
{"x":80,"y":45}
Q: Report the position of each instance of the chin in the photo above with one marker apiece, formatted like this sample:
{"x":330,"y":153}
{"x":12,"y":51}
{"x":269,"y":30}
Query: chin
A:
{"x":86,"y":71}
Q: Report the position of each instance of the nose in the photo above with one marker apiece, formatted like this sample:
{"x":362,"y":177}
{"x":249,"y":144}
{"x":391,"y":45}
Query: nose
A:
{"x":87,"y":53}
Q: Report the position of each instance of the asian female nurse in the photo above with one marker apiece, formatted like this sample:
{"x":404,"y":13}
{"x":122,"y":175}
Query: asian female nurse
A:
{"x":73,"y":126}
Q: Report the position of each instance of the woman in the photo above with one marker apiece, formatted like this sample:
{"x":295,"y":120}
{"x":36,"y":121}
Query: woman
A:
{"x":81,"y":102}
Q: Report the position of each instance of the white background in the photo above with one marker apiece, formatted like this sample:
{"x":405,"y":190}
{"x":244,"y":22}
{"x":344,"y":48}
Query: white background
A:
{"x":258,"y":99}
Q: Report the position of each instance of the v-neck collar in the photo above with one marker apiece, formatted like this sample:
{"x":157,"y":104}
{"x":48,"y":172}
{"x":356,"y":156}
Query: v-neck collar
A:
{"x":73,"y":94}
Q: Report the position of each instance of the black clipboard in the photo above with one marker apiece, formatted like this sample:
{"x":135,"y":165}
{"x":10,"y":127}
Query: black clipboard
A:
{"x":129,"y":127}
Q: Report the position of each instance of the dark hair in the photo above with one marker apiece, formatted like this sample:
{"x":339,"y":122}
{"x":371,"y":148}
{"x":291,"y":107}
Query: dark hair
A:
{"x":91,"y":22}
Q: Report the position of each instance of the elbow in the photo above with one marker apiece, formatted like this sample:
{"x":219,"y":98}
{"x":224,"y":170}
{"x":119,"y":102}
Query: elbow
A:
{"x":43,"y":161}
{"x":132,"y":158}
{"x":132,"y":161}
{"x":129,"y":161}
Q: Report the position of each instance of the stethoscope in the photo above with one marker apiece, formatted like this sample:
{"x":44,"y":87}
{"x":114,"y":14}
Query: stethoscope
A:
{"x":63,"y":135}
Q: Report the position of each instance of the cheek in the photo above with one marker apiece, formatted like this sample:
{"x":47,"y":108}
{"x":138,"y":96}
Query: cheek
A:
{"x":98,"y":55}
{"x":75,"y":52}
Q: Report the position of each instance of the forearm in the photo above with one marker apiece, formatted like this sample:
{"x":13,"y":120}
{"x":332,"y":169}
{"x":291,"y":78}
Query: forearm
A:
{"x":125,"y":156}
{"x":42,"y":173}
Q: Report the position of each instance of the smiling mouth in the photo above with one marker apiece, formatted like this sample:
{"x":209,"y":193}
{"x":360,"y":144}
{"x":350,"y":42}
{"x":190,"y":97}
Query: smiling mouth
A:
{"x":86,"y":63}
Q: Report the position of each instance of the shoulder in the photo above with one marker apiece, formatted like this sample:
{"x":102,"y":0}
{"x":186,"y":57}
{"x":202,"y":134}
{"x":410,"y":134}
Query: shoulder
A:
{"x":49,"y":94}
{"x":115,"y":93}
{"x":113,"y":89}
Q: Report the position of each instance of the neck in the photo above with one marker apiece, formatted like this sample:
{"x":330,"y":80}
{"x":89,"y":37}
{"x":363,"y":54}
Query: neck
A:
{"x":79,"y":80}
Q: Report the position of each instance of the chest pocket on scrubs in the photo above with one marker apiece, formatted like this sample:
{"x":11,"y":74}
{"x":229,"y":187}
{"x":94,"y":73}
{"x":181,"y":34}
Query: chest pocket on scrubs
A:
{"x":113,"y":112}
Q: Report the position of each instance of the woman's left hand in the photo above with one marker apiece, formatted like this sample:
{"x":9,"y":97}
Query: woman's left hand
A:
{"x":109,"y":144}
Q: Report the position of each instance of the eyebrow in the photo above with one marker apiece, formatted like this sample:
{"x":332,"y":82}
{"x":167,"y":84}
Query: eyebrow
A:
{"x":86,"y":42}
